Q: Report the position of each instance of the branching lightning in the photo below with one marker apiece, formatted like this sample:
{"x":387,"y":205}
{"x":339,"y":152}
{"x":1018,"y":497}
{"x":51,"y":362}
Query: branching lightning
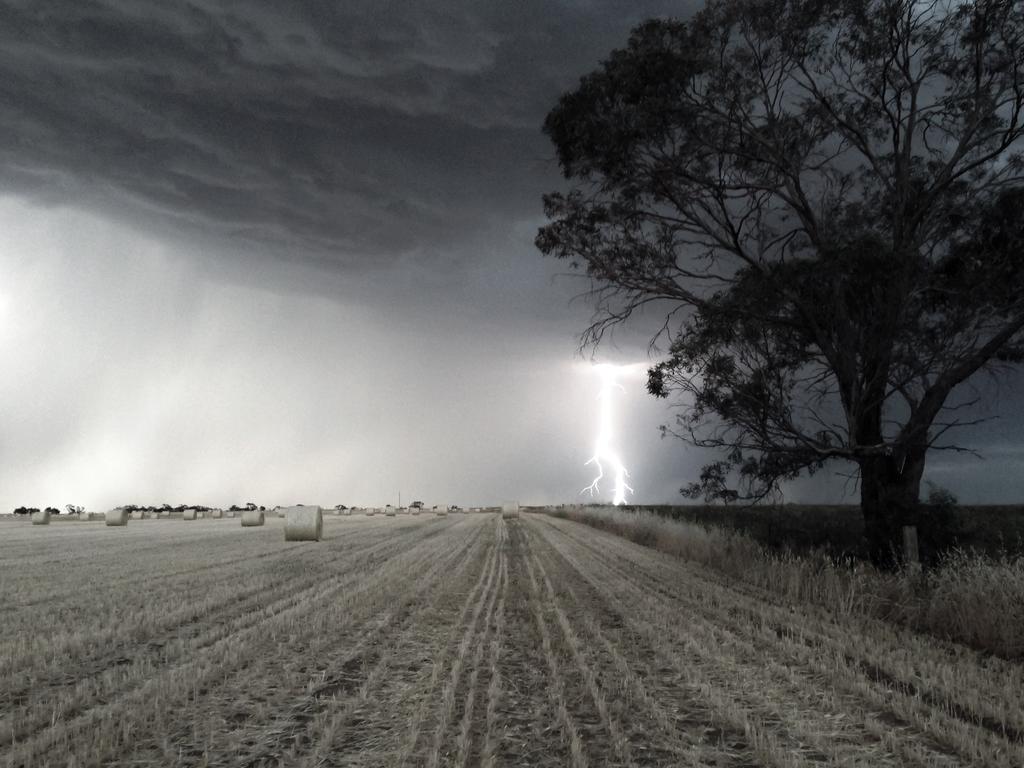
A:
{"x":604,"y":450}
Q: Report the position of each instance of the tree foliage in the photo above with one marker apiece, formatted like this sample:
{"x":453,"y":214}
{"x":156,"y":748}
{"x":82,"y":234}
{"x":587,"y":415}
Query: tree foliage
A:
{"x":824,"y":197}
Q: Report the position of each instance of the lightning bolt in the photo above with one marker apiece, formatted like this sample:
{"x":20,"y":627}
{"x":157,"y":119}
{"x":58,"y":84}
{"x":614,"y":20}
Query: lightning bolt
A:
{"x":604,"y":452}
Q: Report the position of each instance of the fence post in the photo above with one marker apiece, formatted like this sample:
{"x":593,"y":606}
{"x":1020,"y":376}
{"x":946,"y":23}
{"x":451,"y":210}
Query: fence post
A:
{"x":911,"y":556}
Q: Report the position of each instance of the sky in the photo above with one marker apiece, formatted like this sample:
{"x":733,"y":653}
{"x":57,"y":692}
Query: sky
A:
{"x":283,"y":253}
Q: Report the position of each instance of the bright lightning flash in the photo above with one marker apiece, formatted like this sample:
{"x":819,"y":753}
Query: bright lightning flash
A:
{"x":604,"y":451}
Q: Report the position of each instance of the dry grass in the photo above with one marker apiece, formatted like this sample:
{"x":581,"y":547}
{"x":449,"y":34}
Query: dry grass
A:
{"x":467,"y":641}
{"x":972,"y":599}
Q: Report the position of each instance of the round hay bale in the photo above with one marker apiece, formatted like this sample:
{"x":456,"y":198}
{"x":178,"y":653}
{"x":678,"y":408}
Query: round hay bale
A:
{"x":303,"y":524}
{"x":42,"y":517}
{"x":441,"y":512}
{"x":188,"y":514}
{"x":216,"y":513}
{"x":510,"y":509}
{"x":164,"y":515}
{"x":117,"y":516}
{"x":252,"y":518}
{"x":200,"y":514}
{"x":229,"y":513}
{"x":389,"y":512}
{"x":137,"y":514}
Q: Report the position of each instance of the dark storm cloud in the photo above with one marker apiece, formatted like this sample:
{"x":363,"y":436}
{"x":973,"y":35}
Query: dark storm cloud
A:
{"x":356,"y":127}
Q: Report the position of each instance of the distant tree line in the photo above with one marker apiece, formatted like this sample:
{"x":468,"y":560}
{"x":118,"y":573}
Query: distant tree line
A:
{"x":33,"y":510}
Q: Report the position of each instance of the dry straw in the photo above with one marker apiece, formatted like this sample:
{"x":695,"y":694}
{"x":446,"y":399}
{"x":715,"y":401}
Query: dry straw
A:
{"x":303,"y":523}
{"x":137,"y":514}
{"x":189,"y":514}
{"x":510,"y":509}
{"x":117,"y":516}
{"x":41,"y":518}
{"x":217,"y":513}
{"x":252,"y":518}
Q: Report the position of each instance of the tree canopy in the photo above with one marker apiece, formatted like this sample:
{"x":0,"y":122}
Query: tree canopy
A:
{"x":825,"y":197}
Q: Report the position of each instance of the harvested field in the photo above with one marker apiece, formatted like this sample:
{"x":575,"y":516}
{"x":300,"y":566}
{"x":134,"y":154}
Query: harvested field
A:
{"x":467,"y":640}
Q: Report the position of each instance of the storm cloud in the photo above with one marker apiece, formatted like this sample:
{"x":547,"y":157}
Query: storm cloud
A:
{"x":283,"y":252}
{"x":350,"y":128}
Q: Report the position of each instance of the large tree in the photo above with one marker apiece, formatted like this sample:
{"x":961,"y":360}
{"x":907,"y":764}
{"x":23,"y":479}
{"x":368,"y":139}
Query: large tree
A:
{"x":825,"y":197}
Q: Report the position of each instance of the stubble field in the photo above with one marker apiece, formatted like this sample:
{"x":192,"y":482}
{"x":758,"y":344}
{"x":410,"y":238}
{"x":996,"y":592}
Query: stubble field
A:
{"x":465,"y":640}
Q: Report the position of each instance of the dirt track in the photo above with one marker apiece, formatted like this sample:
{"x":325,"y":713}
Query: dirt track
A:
{"x":465,"y":640}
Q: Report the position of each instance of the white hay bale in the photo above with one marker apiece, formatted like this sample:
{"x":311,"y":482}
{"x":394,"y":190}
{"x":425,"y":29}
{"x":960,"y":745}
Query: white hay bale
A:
{"x":510,"y":509}
{"x":189,"y":514}
{"x":200,"y":514}
{"x":117,"y":516}
{"x":252,"y":518}
{"x":165,"y":515}
{"x":42,"y":517}
{"x":229,"y":513}
{"x":216,"y":513}
{"x":441,"y":512}
{"x":303,"y":524}
{"x":137,"y":514}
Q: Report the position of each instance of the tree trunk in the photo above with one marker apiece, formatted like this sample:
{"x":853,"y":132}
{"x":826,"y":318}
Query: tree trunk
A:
{"x":889,"y":497}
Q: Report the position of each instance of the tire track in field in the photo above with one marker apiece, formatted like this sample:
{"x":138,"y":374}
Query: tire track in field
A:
{"x":199,"y":672}
{"x":292,"y":733}
{"x":186,"y":618}
{"x":524,"y":725}
{"x":447,"y":698}
{"x":487,"y":756}
{"x":878,"y":648}
{"x":697,"y":734}
{"x":724,"y":654}
{"x":78,"y":648}
{"x":619,"y":742}
{"x":325,"y":647}
{"x":477,"y":684}
{"x":690,"y":731}
{"x":556,"y":685}
{"x":136,"y":656}
{"x":387,"y":658}
{"x":731,"y":711}
{"x":824,"y":653}
{"x":393,"y":726}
